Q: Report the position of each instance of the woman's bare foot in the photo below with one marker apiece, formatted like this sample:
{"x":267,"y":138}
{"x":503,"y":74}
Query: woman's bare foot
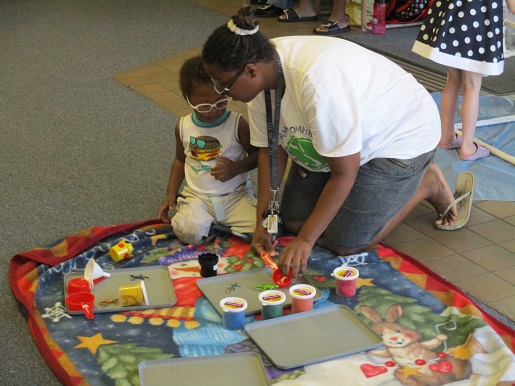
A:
{"x":440,"y":195}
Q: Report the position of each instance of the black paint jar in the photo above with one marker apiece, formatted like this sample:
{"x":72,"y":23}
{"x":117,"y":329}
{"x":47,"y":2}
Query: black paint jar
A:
{"x":208,"y":264}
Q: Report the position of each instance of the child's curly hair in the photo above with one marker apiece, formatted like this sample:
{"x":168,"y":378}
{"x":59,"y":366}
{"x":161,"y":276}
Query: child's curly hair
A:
{"x":192,"y":70}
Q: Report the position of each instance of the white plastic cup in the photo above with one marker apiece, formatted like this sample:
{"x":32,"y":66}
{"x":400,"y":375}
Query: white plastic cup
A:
{"x":272,"y":303}
{"x":345,"y":281}
{"x":302,"y":297}
{"x":233,"y":312}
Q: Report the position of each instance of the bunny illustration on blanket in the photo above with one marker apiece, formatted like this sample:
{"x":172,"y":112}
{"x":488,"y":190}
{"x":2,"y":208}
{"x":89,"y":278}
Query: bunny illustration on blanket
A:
{"x":414,"y":360}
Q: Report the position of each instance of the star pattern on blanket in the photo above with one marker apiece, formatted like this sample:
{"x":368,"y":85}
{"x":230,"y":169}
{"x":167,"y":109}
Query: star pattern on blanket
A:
{"x":360,"y":282}
{"x":92,"y":343}
{"x":467,"y":350}
{"x":192,"y":327}
{"x":406,"y":371}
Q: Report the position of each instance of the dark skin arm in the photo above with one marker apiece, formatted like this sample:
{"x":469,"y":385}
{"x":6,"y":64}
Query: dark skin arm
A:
{"x":262,"y":241}
{"x":226,"y":168}
{"x":343,"y":175}
{"x":175,"y":179}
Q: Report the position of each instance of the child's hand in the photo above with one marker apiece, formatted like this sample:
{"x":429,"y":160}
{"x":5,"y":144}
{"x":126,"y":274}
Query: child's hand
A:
{"x":225,"y":169}
{"x":167,"y":205}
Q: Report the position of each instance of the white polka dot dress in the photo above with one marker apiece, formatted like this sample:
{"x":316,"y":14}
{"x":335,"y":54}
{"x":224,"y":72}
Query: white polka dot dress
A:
{"x":464,"y":34}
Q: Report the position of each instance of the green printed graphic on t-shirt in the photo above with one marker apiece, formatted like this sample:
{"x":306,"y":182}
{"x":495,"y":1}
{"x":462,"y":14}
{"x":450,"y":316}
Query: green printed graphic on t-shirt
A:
{"x":303,"y":152}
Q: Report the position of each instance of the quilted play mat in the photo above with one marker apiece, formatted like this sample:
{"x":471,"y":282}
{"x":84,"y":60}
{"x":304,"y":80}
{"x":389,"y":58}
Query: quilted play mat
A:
{"x":432,"y":333}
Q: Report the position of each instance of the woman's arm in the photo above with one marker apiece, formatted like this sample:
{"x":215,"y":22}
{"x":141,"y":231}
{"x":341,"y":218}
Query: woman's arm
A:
{"x":343,"y":175}
{"x":262,"y":241}
{"x":250,"y":162}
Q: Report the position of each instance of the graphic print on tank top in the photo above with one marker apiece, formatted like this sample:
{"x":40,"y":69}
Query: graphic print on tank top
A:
{"x":204,"y":149}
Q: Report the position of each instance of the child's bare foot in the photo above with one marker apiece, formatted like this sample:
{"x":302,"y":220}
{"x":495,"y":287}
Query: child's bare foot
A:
{"x":440,"y":195}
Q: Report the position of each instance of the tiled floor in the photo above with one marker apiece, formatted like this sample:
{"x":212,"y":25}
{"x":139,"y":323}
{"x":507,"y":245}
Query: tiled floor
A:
{"x":480,"y":258}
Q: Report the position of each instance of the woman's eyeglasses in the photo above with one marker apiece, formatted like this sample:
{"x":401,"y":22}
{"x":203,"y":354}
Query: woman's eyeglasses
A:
{"x":207,"y":107}
{"x":227,"y":88}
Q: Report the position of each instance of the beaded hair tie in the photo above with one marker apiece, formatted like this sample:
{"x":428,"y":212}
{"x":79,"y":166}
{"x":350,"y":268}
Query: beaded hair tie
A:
{"x":239,"y":31}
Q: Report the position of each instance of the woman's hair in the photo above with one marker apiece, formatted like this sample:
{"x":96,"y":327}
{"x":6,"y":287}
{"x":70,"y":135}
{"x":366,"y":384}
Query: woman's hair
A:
{"x":231,"y":50}
{"x":192,"y":70}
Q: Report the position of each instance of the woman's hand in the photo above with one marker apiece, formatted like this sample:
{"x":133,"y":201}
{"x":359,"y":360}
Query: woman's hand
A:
{"x":262,"y":241}
{"x":295,"y":257}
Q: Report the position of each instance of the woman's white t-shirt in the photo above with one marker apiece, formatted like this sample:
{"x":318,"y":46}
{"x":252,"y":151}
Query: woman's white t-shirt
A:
{"x":341,"y":99}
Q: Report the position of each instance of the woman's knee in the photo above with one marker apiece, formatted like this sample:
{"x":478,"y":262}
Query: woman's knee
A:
{"x":292,"y":226}
{"x":339,"y":250}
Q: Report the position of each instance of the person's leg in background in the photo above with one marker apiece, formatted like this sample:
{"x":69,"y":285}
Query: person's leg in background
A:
{"x":337,"y":22}
{"x":450,"y":95}
{"x":471,"y":82}
{"x":305,"y":11}
{"x":273,"y":8}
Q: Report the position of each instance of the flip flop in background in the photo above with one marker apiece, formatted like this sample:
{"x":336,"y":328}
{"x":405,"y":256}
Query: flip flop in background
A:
{"x":454,"y":144}
{"x":268,"y":10}
{"x":332,"y":28}
{"x":464,"y":192}
{"x":291,"y":16}
{"x":481,"y":152}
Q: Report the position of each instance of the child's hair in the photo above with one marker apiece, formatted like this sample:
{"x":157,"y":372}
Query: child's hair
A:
{"x":192,"y":70}
{"x":231,"y":51}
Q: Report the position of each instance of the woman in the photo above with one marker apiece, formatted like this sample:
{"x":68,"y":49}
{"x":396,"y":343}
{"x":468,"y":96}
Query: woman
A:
{"x":361,"y":131}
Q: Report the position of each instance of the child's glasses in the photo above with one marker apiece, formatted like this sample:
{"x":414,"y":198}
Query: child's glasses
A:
{"x":207,"y":107}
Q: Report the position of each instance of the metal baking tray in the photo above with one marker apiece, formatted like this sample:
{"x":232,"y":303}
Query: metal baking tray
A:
{"x":313,"y":336}
{"x":158,"y":285}
{"x":219,"y":370}
{"x":241,"y":285}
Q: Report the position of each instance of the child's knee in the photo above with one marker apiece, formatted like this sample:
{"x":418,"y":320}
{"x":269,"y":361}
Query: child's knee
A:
{"x":189,"y":231}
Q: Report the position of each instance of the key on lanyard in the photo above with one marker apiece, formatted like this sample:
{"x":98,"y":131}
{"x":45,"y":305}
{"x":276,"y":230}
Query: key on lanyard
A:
{"x":272,"y":215}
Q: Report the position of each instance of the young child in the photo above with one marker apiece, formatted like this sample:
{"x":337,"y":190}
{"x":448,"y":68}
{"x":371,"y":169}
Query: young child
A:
{"x":214,"y":155}
{"x":467,"y":37}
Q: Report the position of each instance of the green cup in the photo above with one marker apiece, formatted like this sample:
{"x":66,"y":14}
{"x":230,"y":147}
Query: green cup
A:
{"x":272,"y":303}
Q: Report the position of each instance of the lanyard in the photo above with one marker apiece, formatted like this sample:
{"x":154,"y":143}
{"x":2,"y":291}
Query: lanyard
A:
{"x":272,"y":126}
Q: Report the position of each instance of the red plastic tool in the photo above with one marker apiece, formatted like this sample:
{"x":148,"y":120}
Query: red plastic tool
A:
{"x":81,"y":301}
{"x":277,"y":276}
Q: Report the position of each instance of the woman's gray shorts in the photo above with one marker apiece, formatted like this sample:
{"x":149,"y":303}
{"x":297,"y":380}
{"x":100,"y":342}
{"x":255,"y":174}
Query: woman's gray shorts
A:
{"x":383,"y":187}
